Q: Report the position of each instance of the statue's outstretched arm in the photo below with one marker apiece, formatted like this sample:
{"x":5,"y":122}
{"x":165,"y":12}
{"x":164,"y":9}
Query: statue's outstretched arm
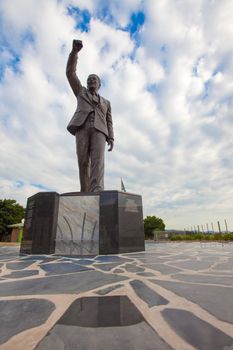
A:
{"x":71,"y":67}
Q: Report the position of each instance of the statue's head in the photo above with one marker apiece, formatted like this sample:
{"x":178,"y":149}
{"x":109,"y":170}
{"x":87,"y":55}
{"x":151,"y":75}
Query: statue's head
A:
{"x":93,"y":82}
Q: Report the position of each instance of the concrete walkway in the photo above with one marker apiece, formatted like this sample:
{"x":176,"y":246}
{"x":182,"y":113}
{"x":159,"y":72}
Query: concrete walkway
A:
{"x":173,"y":296}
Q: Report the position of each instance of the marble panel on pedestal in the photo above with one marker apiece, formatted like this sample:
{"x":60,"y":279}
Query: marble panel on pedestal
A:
{"x":83,"y":224}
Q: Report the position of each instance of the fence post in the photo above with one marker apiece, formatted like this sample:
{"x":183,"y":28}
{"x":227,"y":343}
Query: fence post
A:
{"x":212,"y":227}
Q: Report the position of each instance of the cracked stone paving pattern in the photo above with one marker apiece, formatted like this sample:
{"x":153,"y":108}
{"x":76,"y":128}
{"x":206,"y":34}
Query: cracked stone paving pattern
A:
{"x":172,"y":296}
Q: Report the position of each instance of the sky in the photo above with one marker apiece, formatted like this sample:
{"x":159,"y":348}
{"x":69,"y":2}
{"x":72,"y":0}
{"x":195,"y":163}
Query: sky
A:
{"x":167,"y":68}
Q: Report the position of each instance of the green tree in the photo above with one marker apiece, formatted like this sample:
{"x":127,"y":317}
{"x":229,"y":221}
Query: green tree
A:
{"x":151,"y":224}
{"x":10,"y":213}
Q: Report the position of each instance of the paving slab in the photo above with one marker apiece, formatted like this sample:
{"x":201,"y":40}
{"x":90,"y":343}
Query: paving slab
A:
{"x":111,"y":258}
{"x":19,"y":265}
{"x":107,"y":267}
{"x":111,"y":323}
{"x":108,"y":290}
{"x":72,"y":283}
{"x":62,"y":268}
{"x":133,"y":268}
{"x":118,"y":301}
{"x":205,"y":279}
{"x":162,"y":268}
{"x":19,"y":315}
{"x":145,"y":274}
{"x":147,"y":294}
{"x":21,"y":274}
{"x":216,"y":300}
{"x":197,"y":332}
{"x":79,"y":261}
{"x":193,"y":265}
{"x":8,"y":257}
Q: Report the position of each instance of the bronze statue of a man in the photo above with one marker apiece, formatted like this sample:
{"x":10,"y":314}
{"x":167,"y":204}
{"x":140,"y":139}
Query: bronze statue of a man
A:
{"x":91,"y":125}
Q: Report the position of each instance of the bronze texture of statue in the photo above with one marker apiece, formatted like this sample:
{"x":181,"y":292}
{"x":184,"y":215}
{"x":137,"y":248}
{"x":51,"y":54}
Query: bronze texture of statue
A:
{"x":91,"y":124}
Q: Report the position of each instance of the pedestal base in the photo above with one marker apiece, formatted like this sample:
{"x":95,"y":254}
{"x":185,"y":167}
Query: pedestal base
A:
{"x":76,"y":223}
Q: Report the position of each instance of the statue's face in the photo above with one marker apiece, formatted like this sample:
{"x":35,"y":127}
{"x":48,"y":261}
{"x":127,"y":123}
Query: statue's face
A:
{"x":93,"y":82}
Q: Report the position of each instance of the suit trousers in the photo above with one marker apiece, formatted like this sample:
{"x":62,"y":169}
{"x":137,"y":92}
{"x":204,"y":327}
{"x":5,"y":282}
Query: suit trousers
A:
{"x":90,"y":148}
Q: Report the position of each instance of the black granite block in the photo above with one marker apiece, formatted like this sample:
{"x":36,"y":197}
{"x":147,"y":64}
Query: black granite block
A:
{"x":78,"y":224}
{"x":40,"y":224}
{"x":121,"y":223}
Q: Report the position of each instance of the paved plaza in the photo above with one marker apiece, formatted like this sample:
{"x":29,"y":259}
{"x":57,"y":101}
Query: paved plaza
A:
{"x":172,"y":296}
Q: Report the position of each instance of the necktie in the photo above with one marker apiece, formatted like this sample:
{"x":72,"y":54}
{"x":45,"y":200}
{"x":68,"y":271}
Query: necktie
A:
{"x":95,"y":98}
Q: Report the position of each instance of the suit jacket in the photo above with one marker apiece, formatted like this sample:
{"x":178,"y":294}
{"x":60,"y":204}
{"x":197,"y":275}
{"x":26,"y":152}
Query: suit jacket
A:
{"x":86,"y":105}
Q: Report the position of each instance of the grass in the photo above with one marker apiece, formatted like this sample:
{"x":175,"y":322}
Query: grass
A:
{"x":203,"y":237}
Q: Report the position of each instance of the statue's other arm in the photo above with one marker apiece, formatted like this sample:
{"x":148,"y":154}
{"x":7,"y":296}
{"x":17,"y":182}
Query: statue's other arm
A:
{"x":110,"y":139}
{"x":71,"y":67}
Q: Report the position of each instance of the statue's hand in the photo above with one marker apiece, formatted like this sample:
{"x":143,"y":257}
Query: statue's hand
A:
{"x":110,"y":144}
{"x":77,"y":45}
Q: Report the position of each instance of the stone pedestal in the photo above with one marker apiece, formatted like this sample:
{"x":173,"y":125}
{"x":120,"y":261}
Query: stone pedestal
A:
{"x":110,"y":222}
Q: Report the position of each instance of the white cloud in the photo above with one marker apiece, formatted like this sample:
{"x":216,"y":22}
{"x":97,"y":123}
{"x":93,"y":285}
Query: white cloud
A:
{"x":171,"y":95}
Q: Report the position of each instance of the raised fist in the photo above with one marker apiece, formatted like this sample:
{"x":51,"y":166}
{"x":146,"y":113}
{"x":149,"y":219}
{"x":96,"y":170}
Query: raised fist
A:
{"x":77,"y":45}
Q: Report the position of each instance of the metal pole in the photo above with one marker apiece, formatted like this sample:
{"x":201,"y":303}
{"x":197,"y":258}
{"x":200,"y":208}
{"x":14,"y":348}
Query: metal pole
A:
{"x":226,"y":225}
{"x":219,"y":228}
{"x":212,"y":227}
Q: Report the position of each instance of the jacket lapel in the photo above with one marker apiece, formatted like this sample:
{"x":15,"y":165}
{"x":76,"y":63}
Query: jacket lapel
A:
{"x":86,"y":96}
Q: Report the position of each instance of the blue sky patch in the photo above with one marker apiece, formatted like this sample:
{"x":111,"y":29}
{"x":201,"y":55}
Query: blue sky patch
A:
{"x":82,"y":18}
{"x":153,"y":88}
{"x":195,"y":67}
{"x":19,"y":184}
{"x":11,"y":52}
{"x":137,"y":20}
{"x":105,"y":48}
{"x":163,"y":48}
{"x":220,"y":67}
{"x":42,"y":187}
{"x":104,"y":15}
{"x":207,"y":86}
{"x":28,"y":36}
{"x":13,"y":63}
